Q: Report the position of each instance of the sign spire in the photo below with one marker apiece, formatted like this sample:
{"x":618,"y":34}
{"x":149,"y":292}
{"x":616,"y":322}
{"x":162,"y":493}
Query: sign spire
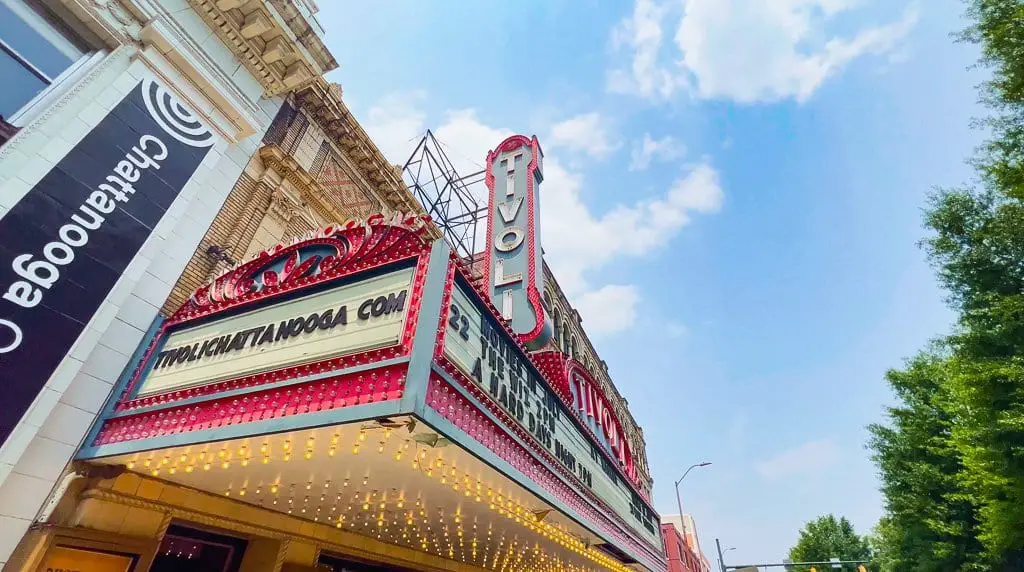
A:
{"x":514,"y":273}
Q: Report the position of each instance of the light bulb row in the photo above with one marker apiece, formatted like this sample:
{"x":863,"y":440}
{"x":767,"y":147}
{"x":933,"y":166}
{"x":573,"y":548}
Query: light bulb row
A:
{"x":380,"y":514}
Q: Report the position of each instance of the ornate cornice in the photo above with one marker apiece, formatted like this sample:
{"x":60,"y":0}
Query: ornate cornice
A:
{"x":272,"y":47}
{"x":311,"y":190}
{"x":323,"y":103}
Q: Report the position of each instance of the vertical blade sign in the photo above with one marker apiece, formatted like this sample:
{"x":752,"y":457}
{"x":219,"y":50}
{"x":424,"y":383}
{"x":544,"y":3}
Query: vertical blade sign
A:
{"x":514,"y":271}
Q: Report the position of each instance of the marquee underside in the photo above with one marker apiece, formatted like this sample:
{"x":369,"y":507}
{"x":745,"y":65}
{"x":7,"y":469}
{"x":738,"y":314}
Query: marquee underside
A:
{"x":399,"y":481}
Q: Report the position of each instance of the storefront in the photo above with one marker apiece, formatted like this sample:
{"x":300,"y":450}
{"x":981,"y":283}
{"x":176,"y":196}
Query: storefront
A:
{"x":352,"y":401}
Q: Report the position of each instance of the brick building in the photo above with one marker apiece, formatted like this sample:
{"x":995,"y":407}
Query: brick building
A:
{"x":680,"y":554}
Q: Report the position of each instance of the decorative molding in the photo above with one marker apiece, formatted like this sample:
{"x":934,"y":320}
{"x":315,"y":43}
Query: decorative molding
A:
{"x":232,"y":113}
{"x":281,"y":205}
{"x":268,"y":43}
{"x":358,"y":244}
{"x":310,"y":189}
{"x":322,"y":101}
{"x":125,"y":22}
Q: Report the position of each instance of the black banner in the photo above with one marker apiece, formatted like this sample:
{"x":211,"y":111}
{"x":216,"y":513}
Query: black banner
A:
{"x":64,"y":245}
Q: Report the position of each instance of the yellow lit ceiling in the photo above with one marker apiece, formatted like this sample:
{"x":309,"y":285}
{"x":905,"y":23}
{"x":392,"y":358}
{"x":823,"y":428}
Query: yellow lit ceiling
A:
{"x":399,"y":482}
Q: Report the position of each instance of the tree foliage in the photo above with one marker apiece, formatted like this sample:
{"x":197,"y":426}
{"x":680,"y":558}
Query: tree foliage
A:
{"x":826,"y":537}
{"x":951,"y":456}
{"x":930,"y":523}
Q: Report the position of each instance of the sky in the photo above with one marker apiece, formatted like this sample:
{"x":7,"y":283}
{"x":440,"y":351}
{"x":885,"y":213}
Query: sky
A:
{"x":732,"y":200}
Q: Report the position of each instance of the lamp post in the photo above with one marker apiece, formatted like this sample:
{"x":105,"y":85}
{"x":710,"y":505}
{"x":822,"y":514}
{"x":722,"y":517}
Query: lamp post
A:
{"x":678,"y":502}
{"x":721,"y":555}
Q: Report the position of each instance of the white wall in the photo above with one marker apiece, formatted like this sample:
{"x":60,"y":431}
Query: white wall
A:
{"x":37,"y":453}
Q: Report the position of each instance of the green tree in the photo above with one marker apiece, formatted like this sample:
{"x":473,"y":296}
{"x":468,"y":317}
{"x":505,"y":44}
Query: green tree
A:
{"x":930,"y":520}
{"x":826,"y":537}
{"x":978,"y":249}
{"x":952,"y":456}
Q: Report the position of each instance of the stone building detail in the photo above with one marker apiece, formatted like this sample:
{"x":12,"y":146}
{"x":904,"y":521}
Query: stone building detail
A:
{"x":316,"y":166}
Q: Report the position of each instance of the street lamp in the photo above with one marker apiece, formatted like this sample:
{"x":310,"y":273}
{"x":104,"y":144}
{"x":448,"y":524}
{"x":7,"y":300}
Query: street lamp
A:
{"x":678,"y":502}
{"x":721,"y":562}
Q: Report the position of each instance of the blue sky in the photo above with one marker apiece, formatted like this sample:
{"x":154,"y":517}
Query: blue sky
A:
{"x":733,"y":200}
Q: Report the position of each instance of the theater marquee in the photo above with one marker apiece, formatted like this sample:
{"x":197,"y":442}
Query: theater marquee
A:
{"x":484,"y":352}
{"x":351,"y":318}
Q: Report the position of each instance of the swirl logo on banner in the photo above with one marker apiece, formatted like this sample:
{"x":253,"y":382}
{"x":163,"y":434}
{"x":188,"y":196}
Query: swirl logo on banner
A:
{"x":173,"y":117}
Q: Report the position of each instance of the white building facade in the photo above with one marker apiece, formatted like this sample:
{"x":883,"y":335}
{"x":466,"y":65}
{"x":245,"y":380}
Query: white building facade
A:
{"x":123,"y":127}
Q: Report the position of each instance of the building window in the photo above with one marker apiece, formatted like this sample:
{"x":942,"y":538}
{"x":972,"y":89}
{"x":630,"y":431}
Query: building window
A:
{"x":35,"y":50}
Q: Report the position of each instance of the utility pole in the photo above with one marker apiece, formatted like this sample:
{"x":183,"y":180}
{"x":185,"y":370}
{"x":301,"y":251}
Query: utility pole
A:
{"x":721,"y":562}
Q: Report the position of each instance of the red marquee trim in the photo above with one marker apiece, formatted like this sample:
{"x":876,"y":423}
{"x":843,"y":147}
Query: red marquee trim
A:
{"x":589,"y":401}
{"x":345,"y":390}
{"x":357,"y":244}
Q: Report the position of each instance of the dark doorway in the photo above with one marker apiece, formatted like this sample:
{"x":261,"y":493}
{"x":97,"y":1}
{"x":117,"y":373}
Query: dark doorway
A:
{"x":189,"y":550}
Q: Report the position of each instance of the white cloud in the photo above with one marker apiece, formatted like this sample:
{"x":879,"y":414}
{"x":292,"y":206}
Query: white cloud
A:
{"x":577,"y":240}
{"x":587,"y":133}
{"x":642,"y":33}
{"x":745,"y":50}
{"x":664,"y":149}
{"x":396,"y":123}
{"x":608,"y":309}
{"x":467,"y":140}
{"x":810,"y":456}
